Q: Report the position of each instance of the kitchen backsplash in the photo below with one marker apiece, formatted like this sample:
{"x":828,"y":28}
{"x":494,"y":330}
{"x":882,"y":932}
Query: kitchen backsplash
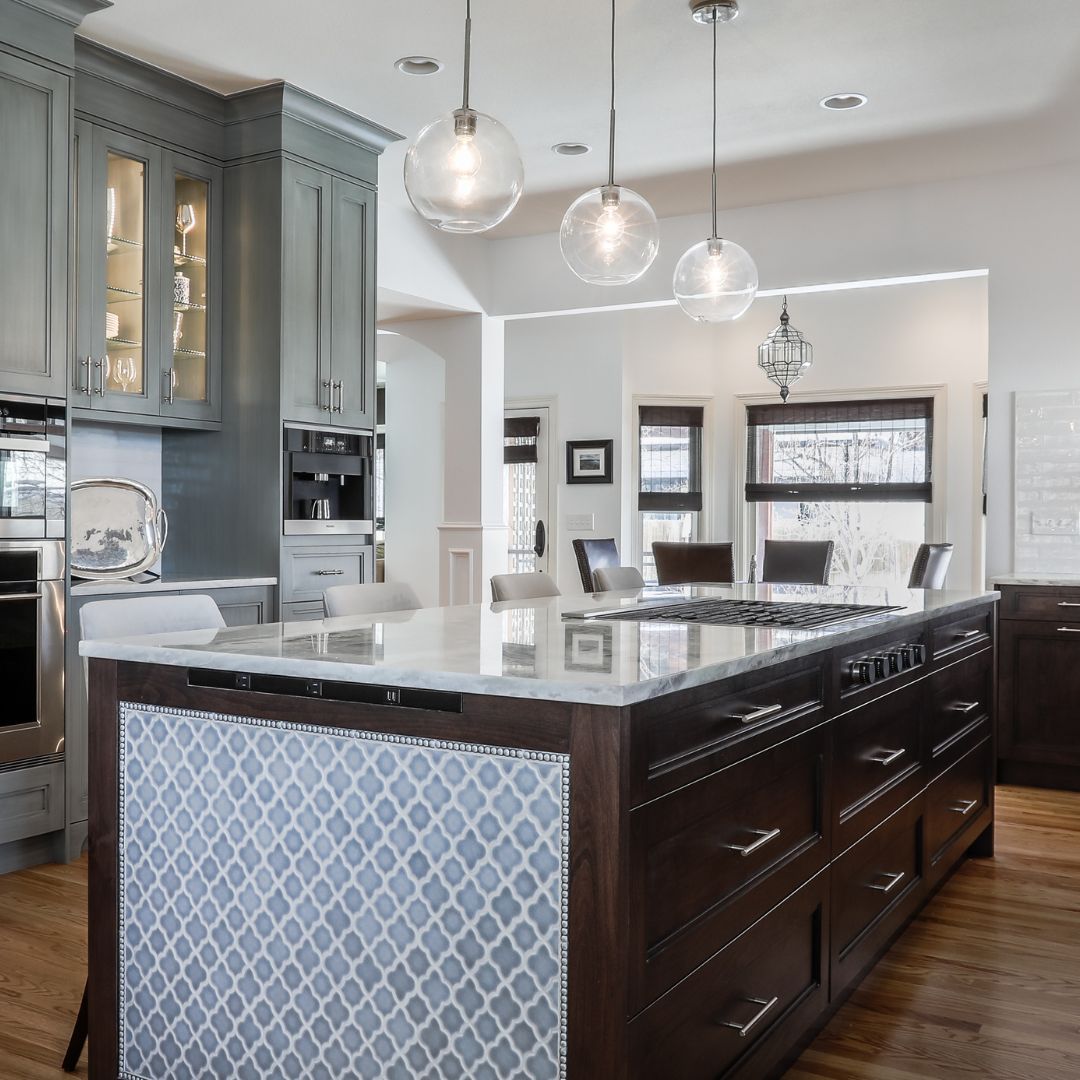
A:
{"x":1047,"y":482}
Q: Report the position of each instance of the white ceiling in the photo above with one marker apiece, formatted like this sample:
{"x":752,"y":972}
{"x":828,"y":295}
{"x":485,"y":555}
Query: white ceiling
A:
{"x":955,"y":86}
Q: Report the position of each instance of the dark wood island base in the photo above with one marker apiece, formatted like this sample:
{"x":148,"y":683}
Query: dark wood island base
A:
{"x":738,"y":855}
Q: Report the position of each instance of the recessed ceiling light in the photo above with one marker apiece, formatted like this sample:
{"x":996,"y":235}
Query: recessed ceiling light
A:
{"x":841,"y":102}
{"x":571,"y":149}
{"x":418,"y":65}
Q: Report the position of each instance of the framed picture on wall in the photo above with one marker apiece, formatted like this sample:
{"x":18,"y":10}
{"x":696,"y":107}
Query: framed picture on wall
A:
{"x":589,"y":461}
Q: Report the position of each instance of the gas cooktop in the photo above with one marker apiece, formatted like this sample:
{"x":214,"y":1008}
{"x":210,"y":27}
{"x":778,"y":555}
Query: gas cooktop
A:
{"x":763,"y":613}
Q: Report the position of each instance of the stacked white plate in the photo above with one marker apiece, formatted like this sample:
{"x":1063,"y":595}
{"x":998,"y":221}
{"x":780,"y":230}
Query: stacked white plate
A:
{"x":112,"y":325}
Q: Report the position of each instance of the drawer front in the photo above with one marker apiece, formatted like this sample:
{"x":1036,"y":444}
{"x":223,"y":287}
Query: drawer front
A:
{"x":301,"y":612}
{"x":876,"y":887}
{"x":1038,"y":602}
{"x":966,"y":634}
{"x":751,"y":1000}
{"x":308,"y":574}
{"x":957,"y":799}
{"x":31,"y":801}
{"x":708,"y":859}
{"x":682,"y":744}
{"x":878,"y":762}
{"x":960,"y":698}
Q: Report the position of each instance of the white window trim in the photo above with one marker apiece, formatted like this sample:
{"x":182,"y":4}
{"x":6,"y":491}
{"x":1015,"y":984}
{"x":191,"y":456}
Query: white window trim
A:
{"x":554,"y":525}
{"x":746,"y":539}
{"x":978,"y":527}
{"x":706,"y":522}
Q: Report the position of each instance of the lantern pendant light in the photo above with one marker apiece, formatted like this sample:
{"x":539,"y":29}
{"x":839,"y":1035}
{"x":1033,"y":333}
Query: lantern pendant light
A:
{"x":785,"y":355}
{"x":610,"y":235}
{"x":715,"y":281}
{"x":463,"y":174}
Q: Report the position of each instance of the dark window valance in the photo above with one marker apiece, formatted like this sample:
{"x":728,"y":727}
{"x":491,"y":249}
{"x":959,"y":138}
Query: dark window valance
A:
{"x":520,"y":434}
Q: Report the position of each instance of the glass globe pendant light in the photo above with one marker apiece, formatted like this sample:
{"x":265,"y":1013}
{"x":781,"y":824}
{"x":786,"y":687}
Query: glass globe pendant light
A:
{"x":610,"y":235}
{"x":715,"y":281}
{"x":463,"y":173}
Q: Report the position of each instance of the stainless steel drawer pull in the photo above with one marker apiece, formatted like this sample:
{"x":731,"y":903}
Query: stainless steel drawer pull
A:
{"x":1068,"y":630}
{"x":965,"y":706}
{"x":894,"y":880}
{"x":887,"y":757}
{"x":745,"y":1029}
{"x":964,"y":808}
{"x":755,"y":715}
{"x":964,"y":635}
{"x":12,"y":598}
{"x":1068,"y":603}
{"x":763,"y":837}
{"x":329,"y":573}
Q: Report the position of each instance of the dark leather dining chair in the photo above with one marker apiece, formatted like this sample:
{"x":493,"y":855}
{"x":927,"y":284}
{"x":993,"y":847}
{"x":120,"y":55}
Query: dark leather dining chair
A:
{"x":681,"y":564}
{"x":796,"y":562}
{"x":593,"y":555}
{"x":930,"y":566}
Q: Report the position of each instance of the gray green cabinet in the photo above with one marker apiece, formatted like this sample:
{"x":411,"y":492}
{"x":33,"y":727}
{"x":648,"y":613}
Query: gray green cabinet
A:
{"x":328,"y":299}
{"x":148,"y":309}
{"x":35,"y":104}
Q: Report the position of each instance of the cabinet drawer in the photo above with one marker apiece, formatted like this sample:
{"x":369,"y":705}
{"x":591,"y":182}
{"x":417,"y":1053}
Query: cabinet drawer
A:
{"x":960,"y":698}
{"x":309,"y":573}
{"x":708,"y":859}
{"x":302,"y":612}
{"x":31,"y":801}
{"x":1039,"y":602}
{"x":876,"y":887}
{"x":878,"y":762}
{"x":714,"y":729}
{"x":972,"y":631}
{"x":957,"y":799}
{"x":748,"y":1003}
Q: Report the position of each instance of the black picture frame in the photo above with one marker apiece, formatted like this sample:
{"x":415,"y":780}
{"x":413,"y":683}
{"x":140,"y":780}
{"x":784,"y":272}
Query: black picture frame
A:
{"x":588,"y":648}
{"x":596,"y":455}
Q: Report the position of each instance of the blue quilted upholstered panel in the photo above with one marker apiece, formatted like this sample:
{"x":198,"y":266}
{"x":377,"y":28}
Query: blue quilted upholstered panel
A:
{"x":307,"y":902}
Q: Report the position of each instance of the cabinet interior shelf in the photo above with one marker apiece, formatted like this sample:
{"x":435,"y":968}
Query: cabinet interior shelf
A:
{"x":189,"y":307}
{"x":189,"y":352}
{"x":122,"y":294}
{"x":122,"y":343}
{"x":116,"y":244}
{"x":187,"y":260}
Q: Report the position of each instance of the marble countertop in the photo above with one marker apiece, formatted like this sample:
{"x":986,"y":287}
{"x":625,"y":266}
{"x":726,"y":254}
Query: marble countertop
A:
{"x":1059,"y":580}
{"x":529,"y":650}
{"x":178,"y":584}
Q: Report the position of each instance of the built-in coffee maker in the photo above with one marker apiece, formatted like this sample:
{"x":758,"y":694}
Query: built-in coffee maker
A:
{"x":329,"y":482}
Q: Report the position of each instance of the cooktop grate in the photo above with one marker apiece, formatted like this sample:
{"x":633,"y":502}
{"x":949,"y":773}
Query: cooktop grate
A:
{"x":764,"y":613}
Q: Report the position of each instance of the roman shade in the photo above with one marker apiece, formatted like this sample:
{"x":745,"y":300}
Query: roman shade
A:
{"x":520,"y":434}
{"x":669,"y":438}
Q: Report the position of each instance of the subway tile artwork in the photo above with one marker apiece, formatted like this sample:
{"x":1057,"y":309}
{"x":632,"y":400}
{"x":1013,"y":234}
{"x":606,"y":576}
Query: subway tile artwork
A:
{"x":1047,"y":482}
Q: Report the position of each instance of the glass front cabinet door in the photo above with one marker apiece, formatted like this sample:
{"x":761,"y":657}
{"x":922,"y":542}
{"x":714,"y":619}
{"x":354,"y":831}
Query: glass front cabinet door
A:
{"x":146,"y":310}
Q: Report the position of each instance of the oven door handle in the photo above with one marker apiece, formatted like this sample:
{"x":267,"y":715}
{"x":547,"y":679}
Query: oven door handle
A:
{"x":11,"y":597}
{"x":23,"y":444}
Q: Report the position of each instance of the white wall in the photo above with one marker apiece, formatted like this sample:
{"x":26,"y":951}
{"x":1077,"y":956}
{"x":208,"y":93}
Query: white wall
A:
{"x":927,"y":334}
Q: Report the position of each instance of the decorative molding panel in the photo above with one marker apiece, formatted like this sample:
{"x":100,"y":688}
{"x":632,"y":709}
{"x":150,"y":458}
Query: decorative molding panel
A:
{"x":459,"y":576}
{"x":303,"y":901}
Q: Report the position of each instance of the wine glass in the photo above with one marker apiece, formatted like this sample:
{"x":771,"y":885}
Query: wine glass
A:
{"x":178,"y":329}
{"x":185,"y":222}
{"x":124,"y":371}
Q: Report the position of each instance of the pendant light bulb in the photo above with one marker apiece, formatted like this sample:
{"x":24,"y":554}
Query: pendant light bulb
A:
{"x":610,"y":235}
{"x":716,"y":280}
{"x":463,"y":173}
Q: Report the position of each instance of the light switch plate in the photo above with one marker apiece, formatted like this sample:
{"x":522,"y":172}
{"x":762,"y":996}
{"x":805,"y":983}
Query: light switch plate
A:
{"x":1062,"y":523}
{"x":580,"y":522}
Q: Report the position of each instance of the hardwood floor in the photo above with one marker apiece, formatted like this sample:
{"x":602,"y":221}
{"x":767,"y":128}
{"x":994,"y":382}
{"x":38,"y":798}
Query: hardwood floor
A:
{"x":984,"y":985}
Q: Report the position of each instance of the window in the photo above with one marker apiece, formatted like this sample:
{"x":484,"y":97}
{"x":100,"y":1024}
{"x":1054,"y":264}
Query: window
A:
{"x":380,"y":474}
{"x":520,"y":452}
{"x":858,"y":473}
{"x":669,"y":496}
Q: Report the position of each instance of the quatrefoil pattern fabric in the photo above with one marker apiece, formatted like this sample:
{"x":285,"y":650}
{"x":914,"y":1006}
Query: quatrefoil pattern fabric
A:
{"x":301,"y":902}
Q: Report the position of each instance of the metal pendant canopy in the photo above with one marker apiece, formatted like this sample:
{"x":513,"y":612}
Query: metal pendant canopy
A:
{"x":714,"y":11}
{"x":785,"y":355}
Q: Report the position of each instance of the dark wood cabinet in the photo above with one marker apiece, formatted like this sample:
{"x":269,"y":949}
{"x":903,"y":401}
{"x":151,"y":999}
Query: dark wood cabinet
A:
{"x":1039,"y":687}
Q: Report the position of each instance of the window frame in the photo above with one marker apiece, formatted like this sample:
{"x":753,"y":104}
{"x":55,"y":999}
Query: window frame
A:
{"x":704,"y":522}
{"x":744,"y":513}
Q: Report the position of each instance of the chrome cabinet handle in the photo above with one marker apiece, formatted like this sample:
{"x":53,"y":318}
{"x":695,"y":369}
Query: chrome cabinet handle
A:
{"x":894,"y":880}
{"x":1068,"y":630}
{"x":964,"y":635}
{"x":329,"y":573}
{"x":80,"y":387}
{"x":169,"y":375}
{"x":12,"y":598}
{"x":763,"y":837}
{"x":340,"y":396}
{"x":886,"y":757}
{"x":1068,"y":603}
{"x":965,"y":706}
{"x":99,"y":367}
{"x":755,"y":715}
{"x":964,"y":808}
{"x":328,"y":386}
{"x":745,"y":1029}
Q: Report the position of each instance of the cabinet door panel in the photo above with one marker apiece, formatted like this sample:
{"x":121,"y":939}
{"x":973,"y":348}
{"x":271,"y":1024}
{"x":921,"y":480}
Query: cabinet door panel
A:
{"x":306,"y":271}
{"x":34,"y":130}
{"x":353,"y":329}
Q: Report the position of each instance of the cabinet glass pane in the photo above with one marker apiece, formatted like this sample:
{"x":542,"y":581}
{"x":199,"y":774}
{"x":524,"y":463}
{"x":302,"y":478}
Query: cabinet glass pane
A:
{"x":189,"y":373}
{"x":125,"y":237}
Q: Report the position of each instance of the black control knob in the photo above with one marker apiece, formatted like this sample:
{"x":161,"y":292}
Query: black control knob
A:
{"x":894,"y":662}
{"x":879,"y":663}
{"x":905,"y":656}
{"x":918,"y":652}
{"x":862,"y":671}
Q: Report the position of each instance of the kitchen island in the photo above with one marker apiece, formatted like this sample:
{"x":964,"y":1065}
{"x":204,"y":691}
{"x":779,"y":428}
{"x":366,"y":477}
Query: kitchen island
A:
{"x":570,"y":837}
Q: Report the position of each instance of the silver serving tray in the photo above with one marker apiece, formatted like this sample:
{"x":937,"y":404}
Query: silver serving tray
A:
{"x":118,"y":529}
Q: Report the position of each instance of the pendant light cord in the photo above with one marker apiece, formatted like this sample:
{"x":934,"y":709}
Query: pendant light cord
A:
{"x":468,"y":53}
{"x":715,"y":232}
{"x":611,"y":136}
